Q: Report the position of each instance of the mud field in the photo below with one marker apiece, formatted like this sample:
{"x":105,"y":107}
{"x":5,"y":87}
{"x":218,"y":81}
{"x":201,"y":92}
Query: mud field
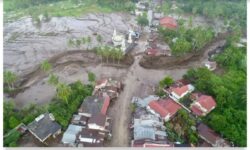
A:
{"x":26,"y":46}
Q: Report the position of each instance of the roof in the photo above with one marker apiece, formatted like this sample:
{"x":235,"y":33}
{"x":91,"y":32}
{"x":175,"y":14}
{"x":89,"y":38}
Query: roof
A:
{"x":196,"y":110}
{"x":105,"y":105}
{"x":98,"y":119}
{"x":211,"y":137}
{"x":92,"y":105}
{"x":145,"y":101}
{"x":207,"y":102}
{"x":70,"y":134}
{"x":141,"y":132}
{"x":44,"y":126}
{"x":157,"y":145}
{"x":101,"y":82}
{"x":91,"y":137}
{"x":180,"y":90}
{"x":168,"y":22}
{"x":165,"y":107}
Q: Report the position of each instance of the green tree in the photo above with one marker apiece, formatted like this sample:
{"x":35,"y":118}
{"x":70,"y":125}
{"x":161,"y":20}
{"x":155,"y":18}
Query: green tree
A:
{"x":78,"y":43}
{"x":46,"y":66}
{"x":89,"y":41}
{"x":142,"y":20}
{"x":71,"y":43}
{"x":63,"y":92}
{"x":91,"y":77}
{"x":53,"y":80}
{"x":9,"y":79}
{"x":99,"y":39}
{"x":181,"y":46}
{"x":166,"y":82}
{"x":13,"y":122}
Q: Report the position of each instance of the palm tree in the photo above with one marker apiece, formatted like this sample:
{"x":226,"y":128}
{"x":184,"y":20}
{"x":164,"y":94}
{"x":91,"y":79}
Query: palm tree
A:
{"x":53,"y":80}
{"x":100,"y":52}
{"x":46,"y":66}
{"x":70,"y":42}
{"x":119,"y":55}
{"x":9,"y":79}
{"x":84,"y":40}
{"x":63,"y":92}
{"x":106,"y":53}
{"x":88,"y":41}
{"x":99,"y":39}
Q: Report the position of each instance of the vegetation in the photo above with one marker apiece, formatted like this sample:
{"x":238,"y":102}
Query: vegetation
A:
{"x":142,"y":20}
{"x":63,"y":92}
{"x":166,"y":82}
{"x":46,"y":66}
{"x":17,"y":9}
{"x":53,"y":80}
{"x":12,"y":139}
{"x":229,"y":91}
{"x":9,"y":79}
{"x":184,"y":40}
{"x":182,"y":128}
{"x":231,"y":11}
{"x":91,"y":77}
{"x":99,"y":38}
{"x":76,"y":96}
{"x":110,"y":52}
{"x":12,"y":116}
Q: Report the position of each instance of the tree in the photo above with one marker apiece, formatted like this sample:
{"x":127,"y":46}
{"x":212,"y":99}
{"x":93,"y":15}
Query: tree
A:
{"x":53,"y":80}
{"x":166,"y":82}
{"x":13,"y":122}
{"x":91,"y":77}
{"x":100,"y":52}
{"x":181,"y":46}
{"x":99,"y":38}
{"x":63,"y":92}
{"x":78,"y":43}
{"x":142,"y":20}
{"x":120,"y":55}
{"x":9,"y":79}
{"x":71,"y":43}
{"x":46,"y":66}
{"x":89,"y":41}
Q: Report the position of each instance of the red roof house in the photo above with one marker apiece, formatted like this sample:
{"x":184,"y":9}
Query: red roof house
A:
{"x":179,"y":92}
{"x":164,"y":108}
{"x":203,"y":105}
{"x":168,"y":22}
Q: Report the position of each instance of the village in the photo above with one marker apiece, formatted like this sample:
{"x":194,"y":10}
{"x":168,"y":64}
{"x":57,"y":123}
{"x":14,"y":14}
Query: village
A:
{"x":135,"y":84}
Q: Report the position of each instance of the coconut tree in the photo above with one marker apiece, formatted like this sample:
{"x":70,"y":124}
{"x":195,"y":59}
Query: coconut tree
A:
{"x":53,"y":80}
{"x":106,"y":53}
{"x":9,"y":79}
{"x":119,"y":55}
{"x":99,"y":39}
{"x":63,"y":92}
{"x":46,"y":66}
{"x":88,"y":41}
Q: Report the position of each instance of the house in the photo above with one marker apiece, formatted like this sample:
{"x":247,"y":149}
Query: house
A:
{"x":158,"y":52}
{"x":149,"y":121}
{"x":109,"y":86}
{"x":145,"y":101}
{"x":91,"y":105}
{"x":79,"y":120}
{"x":168,"y":22}
{"x":90,"y":138}
{"x":178,"y":92}
{"x":164,"y":109}
{"x":70,"y":135}
{"x":202,"y":105}
{"x":150,"y":143}
{"x":99,"y":122}
{"x":44,"y":126}
{"x":211,"y":137}
{"x":145,"y":132}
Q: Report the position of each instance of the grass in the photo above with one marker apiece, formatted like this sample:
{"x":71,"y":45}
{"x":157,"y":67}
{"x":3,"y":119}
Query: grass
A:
{"x":58,"y":9}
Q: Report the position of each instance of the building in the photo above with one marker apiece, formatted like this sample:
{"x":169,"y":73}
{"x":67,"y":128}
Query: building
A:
{"x":109,"y":86}
{"x":210,"y":65}
{"x":145,"y":101}
{"x":90,"y":138}
{"x":150,"y":143}
{"x":164,"y":109}
{"x":70,"y":135}
{"x":149,"y":121}
{"x":145,"y":132}
{"x":44,"y":126}
{"x":79,"y":120}
{"x":99,"y":122}
{"x":178,"y":92}
{"x":91,"y":105}
{"x":168,"y":22}
{"x":211,"y":137}
{"x":202,"y":105}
